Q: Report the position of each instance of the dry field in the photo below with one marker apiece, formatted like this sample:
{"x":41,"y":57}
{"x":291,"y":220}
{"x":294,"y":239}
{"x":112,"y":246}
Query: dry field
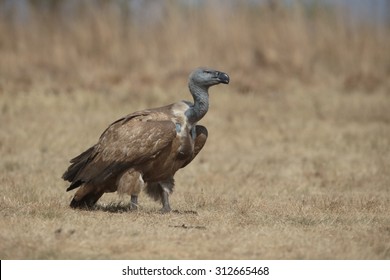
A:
{"x":298,"y":156}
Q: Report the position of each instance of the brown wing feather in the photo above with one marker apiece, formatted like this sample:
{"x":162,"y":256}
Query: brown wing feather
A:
{"x":126,"y":143}
{"x":135,"y":141}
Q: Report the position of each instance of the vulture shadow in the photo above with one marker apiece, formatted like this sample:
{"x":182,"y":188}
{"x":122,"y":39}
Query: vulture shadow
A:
{"x":126,"y":208}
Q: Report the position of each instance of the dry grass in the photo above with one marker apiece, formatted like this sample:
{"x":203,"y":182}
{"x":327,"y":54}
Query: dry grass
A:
{"x":298,"y":157}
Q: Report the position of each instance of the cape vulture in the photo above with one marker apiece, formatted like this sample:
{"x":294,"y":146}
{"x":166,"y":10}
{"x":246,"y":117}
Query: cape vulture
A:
{"x":145,"y":149}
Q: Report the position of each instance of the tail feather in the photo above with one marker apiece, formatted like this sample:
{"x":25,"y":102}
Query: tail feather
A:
{"x":86,"y":202}
{"x":77,"y":164}
{"x":75,"y":185}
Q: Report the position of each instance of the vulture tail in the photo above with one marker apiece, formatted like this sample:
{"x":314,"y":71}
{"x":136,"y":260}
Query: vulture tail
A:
{"x":86,"y":196}
{"x":77,"y":165}
{"x":87,"y":201}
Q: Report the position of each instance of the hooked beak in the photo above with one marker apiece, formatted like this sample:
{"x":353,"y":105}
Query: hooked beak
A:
{"x":223,"y":77}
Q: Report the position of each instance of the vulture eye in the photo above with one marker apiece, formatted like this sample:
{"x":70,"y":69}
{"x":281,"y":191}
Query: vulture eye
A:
{"x":207,"y":71}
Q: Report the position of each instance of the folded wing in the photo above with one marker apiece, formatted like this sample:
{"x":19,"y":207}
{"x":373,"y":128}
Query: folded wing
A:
{"x":126,"y":143}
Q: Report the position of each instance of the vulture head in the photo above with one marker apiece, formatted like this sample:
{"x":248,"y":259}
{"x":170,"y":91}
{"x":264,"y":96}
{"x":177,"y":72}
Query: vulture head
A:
{"x":205,"y":78}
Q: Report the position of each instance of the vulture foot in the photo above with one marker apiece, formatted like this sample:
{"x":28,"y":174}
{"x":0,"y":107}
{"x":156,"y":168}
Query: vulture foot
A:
{"x":165,"y":210}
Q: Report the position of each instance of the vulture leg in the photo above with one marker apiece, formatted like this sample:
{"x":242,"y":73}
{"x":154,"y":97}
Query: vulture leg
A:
{"x":131,"y":183}
{"x":134,"y":202}
{"x":161,"y":191}
{"x":165,"y":202}
{"x":167,"y":188}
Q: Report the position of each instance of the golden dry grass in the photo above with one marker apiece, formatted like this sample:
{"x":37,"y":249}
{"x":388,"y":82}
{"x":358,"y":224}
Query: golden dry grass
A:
{"x":298,"y":157}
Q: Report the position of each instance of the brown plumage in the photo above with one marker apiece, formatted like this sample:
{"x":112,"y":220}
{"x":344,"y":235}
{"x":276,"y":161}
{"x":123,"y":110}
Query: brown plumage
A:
{"x":144,"y":149}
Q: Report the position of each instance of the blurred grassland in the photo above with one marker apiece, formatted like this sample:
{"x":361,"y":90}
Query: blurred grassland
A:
{"x":298,"y":156}
{"x":266,"y":46}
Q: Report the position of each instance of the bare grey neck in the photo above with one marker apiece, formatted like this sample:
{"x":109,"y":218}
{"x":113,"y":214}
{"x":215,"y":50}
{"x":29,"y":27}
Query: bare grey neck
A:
{"x":201,"y":103}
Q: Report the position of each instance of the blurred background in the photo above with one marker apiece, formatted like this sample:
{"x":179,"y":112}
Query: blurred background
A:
{"x":297,"y":160}
{"x":60,"y":45}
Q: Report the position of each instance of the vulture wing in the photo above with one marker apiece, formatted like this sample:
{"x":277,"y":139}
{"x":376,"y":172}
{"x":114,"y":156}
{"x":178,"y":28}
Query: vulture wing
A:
{"x":128,"y":142}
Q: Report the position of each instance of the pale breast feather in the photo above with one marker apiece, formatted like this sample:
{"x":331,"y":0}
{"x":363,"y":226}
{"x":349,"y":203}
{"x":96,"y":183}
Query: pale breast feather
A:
{"x":179,"y":118}
{"x":183,"y":128}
